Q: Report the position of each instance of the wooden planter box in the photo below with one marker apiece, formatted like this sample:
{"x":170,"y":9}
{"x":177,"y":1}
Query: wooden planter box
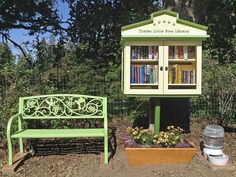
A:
{"x":153,"y":156}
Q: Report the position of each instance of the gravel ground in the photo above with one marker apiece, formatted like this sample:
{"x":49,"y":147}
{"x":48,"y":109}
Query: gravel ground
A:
{"x":88,"y":165}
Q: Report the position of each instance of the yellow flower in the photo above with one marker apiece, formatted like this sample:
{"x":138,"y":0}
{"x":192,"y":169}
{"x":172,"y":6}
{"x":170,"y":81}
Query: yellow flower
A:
{"x":135,"y":133}
{"x":155,"y":136}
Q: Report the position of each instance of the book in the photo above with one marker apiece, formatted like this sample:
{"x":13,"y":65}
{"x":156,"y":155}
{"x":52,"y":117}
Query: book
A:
{"x":156,"y":53}
{"x":180,"y":52}
{"x":174,"y":74}
{"x":170,"y":75}
{"x":136,"y":52}
{"x":185,"y":48}
{"x":176,"y":53}
{"x":147,"y":73}
{"x":156,"y":74}
{"x":136,"y":74}
{"x":194,"y":77}
{"x":153,"y":52}
{"x":132,"y":52}
{"x":151,"y":75}
{"x":188,"y":77}
{"x":178,"y":74}
{"x":149,"y":52}
{"x":171,"y":52}
{"x":142,"y":75}
{"x":132,"y":74}
{"x":146,"y":56}
{"x":191,"y":52}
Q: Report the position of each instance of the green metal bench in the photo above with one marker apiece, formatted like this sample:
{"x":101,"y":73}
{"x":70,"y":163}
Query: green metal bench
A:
{"x":61,"y":106}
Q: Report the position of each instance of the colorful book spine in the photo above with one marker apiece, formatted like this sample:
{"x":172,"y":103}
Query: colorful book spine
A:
{"x":185,"y":52}
{"x":180,"y":52}
{"x":148,"y":74}
{"x":151,"y":75}
{"x":132,"y":74}
{"x":182,"y":76}
{"x":176,"y":53}
{"x":136,"y":74}
{"x":141,"y":68}
{"x":156,"y":74}
{"x":149,"y":52}
{"x":153,"y":52}
{"x":174,"y":74}
{"x":170,"y":74}
{"x":156,"y":53}
{"x":132,"y":53}
{"x":136,"y":52}
{"x":171,"y":52}
{"x":146,"y":52}
{"x":191,"y":52}
{"x":194,"y":77}
{"x":178,"y":74}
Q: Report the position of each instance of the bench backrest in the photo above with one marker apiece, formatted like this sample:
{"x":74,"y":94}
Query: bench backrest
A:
{"x":63,"y":106}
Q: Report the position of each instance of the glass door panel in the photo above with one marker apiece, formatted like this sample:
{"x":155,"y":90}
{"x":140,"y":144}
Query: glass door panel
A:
{"x":182,"y":67}
{"x":144,"y":72}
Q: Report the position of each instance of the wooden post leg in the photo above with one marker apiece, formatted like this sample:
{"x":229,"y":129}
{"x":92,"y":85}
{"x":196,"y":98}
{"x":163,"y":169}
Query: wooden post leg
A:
{"x":157,"y":116}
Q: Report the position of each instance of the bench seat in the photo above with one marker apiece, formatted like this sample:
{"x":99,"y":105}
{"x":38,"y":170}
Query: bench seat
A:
{"x":58,"y":107}
{"x":59,"y":133}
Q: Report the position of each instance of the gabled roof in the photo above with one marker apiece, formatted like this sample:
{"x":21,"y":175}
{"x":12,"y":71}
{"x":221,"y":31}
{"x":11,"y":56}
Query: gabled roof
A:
{"x":164,"y":12}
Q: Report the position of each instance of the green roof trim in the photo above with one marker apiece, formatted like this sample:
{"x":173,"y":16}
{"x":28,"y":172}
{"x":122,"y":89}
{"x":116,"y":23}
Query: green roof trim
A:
{"x":164,"y":12}
{"x":135,"y":25}
{"x":194,"y":25}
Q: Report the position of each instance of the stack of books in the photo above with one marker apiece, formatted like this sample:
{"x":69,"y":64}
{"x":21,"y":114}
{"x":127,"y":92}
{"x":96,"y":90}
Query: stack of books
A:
{"x":144,"y":52}
{"x":144,"y":74}
{"x":182,"y":52}
{"x":181,"y":75}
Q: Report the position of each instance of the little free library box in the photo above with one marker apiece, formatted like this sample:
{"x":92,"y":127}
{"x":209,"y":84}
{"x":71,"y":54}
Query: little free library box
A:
{"x":162,"y":56}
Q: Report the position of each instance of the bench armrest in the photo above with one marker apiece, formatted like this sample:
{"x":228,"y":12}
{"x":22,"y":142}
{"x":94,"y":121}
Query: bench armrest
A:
{"x":9,"y":125}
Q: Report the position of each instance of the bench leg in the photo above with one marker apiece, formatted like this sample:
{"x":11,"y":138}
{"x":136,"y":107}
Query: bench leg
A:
{"x":106,"y":149}
{"x":21,"y":145}
{"x":9,"y":148}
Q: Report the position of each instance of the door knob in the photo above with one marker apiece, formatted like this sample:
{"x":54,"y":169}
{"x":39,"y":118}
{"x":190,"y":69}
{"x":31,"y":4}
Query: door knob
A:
{"x":161,"y":68}
{"x":166,"y":68}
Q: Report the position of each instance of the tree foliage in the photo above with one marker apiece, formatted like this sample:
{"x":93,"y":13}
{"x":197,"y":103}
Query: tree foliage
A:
{"x":86,"y":58}
{"x":219,"y":16}
{"x":35,"y":16}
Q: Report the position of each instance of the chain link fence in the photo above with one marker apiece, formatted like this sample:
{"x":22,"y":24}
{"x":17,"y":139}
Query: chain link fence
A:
{"x":118,"y":104}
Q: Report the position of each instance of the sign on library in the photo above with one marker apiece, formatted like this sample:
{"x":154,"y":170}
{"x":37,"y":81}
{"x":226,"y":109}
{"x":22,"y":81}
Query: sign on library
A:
{"x":177,"y":31}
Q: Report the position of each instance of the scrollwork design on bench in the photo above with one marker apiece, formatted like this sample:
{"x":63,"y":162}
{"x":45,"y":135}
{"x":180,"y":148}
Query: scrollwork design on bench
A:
{"x":62,"y":106}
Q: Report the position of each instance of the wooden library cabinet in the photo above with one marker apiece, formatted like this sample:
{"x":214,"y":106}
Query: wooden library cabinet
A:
{"x":162,"y":56}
